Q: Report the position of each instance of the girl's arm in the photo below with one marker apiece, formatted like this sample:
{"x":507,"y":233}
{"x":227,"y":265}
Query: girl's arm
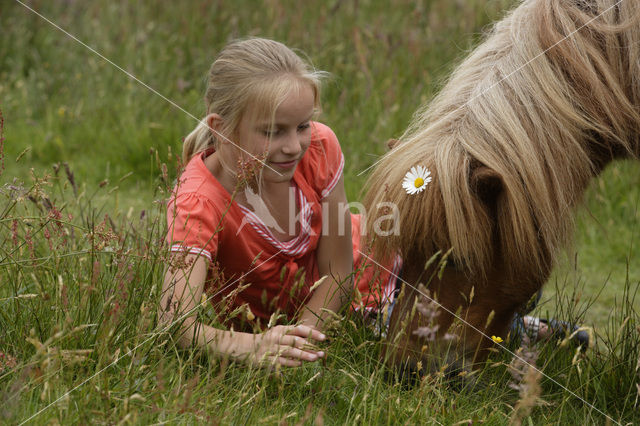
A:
{"x":335,"y":259}
{"x":181,"y":294}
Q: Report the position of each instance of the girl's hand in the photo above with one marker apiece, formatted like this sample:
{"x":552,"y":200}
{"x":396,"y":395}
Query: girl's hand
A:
{"x":283,"y":345}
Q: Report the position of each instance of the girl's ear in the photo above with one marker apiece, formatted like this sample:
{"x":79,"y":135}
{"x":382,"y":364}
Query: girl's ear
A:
{"x":215,"y":123}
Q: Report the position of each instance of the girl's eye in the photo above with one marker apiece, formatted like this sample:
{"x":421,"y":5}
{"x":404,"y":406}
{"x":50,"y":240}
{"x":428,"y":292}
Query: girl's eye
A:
{"x":303,"y":127}
{"x":271,"y":132}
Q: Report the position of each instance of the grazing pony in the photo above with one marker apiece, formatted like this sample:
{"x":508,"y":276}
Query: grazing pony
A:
{"x":512,"y":140}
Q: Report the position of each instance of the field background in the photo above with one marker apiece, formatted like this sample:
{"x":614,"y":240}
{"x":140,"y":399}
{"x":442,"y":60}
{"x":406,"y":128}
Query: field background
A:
{"x":61,"y":103}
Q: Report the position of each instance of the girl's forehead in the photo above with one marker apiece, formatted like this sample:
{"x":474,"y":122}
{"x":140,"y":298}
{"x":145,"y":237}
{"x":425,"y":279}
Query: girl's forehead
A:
{"x":298,"y":102}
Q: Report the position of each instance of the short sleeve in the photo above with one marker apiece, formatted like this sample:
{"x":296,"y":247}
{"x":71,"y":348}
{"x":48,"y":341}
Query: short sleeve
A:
{"x":193,"y":225}
{"x":325,"y":162}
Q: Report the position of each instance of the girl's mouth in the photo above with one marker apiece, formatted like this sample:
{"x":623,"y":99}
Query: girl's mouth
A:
{"x":285,"y":164}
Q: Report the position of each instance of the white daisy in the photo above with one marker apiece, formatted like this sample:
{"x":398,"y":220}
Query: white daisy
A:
{"x":416,"y":179}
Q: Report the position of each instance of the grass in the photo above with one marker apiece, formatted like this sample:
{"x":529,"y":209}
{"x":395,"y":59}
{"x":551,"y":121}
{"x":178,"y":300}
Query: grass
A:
{"x":78,"y":288}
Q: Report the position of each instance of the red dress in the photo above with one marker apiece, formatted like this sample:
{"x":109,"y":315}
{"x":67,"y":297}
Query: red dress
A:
{"x":204,"y":220}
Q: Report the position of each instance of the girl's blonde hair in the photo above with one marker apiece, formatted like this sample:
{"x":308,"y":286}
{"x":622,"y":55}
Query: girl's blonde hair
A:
{"x":250,"y":75}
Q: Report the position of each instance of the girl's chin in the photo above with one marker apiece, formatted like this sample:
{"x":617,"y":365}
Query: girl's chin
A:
{"x":279,"y":175}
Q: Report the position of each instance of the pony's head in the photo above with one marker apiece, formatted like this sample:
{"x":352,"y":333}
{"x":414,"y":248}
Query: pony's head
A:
{"x":550,"y":97}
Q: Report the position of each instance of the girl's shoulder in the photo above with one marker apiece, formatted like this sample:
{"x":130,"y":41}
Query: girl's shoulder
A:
{"x":198,"y":185}
{"x":323,"y":163}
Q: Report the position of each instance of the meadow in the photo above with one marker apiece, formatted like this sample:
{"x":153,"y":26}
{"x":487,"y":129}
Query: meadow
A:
{"x":88,"y":157}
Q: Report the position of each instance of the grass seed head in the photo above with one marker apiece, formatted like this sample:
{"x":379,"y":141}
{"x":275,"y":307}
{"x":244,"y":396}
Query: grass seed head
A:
{"x":526,"y":380}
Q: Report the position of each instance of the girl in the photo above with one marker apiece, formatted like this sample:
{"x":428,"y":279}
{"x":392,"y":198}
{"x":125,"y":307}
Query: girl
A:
{"x":260,"y":214}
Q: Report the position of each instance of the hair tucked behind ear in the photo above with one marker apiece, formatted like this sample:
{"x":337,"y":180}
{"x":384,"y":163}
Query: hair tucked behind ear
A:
{"x":252,"y":72}
{"x":198,"y":140}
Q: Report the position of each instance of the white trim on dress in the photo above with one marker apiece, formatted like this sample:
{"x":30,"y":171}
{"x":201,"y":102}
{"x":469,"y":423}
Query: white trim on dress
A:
{"x":178,"y":248}
{"x":301,"y":243}
{"x":335,"y":179}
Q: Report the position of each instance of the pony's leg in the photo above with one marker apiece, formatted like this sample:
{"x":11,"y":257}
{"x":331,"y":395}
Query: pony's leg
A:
{"x":487,"y":311}
{"x":403,"y":351}
{"x":418,"y":343}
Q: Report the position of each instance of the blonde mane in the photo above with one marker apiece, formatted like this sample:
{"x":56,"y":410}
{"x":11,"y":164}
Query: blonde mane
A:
{"x":512,"y":140}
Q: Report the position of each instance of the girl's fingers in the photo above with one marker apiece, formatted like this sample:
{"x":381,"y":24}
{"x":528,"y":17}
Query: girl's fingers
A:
{"x":290,"y":346}
{"x":288,"y":362}
{"x":294,"y":341}
{"x":294,"y":347}
{"x":301,"y":344}
{"x":270,"y":363}
{"x":297,"y":342}
{"x":300,"y":354}
{"x":307,"y":332}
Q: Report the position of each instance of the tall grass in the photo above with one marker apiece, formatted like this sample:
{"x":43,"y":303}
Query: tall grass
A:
{"x":78,"y":315}
{"x":82,"y":222}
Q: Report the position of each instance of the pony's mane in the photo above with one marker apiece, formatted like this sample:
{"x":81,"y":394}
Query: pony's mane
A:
{"x":515,"y":135}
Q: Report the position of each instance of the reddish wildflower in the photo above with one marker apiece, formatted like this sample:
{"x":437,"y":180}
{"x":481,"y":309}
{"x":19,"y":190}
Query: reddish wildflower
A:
{"x":56,"y":217}
{"x":95,"y":273}
{"x":178,"y":261}
{"x":29,"y":240}
{"x":63,"y":294}
{"x":114,"y":313}
{"x":248,"y":171}
{"x":216,"y":272}
{"x":47,"y":236}
{"x":103,"y":234}
{"x":7,"y":362}
{"x":14,"y":232}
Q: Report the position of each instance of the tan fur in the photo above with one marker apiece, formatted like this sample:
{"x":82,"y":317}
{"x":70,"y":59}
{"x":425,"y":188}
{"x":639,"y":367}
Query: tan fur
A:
{"x":513,"y":138}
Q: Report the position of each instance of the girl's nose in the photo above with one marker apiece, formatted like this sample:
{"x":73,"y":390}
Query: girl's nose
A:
{"x":293,"y":144}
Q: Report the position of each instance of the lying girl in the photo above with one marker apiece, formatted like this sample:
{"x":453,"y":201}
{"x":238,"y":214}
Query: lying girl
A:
{"x":259,"y":215}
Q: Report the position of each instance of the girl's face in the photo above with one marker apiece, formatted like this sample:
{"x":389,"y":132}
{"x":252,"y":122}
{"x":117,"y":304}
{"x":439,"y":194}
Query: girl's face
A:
{"x":285,"y":140}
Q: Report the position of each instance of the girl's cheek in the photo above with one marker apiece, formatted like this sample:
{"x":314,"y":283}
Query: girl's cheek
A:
{"x":261,"y":147}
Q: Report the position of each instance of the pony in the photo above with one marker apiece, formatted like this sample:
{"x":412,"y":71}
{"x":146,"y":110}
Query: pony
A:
{"x":528,"y":118}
